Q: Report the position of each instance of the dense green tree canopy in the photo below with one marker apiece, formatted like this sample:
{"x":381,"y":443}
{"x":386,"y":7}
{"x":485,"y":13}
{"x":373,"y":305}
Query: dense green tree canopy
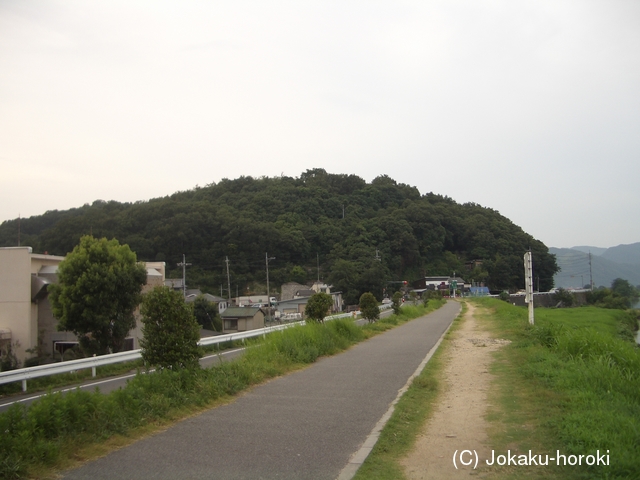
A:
{"x":206,"y":314}
{"x":99,"y":285}
{"x":363,"y":234}
{"x":369,"y":307}
{"x":318,"y":306}
{"x":171,"y":332}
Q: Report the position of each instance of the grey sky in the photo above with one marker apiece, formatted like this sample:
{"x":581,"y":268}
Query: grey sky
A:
{"x":531,"y":108}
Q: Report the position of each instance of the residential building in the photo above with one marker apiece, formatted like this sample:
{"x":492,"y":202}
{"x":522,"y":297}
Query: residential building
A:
{"x":26,"y":318}
{"x":291,"y":290}
{"x":25,"y":312}
{"x":241,"y":319}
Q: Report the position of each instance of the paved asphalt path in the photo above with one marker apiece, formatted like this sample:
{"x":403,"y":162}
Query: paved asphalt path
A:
{"x":305,"y":425}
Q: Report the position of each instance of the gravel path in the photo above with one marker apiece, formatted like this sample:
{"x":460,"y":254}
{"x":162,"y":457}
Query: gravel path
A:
{"x":458,"y":421}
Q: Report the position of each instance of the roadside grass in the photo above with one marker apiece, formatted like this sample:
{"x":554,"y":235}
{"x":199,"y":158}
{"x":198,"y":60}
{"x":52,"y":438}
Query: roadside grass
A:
{"x":60,"y":430}
{"x":571,"y":383}
{"x":42,"y":384}
{"x":409,"y":415}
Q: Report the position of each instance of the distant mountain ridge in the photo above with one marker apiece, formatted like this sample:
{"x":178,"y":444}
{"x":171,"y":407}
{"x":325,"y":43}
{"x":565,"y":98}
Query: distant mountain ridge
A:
{"x":587,"y":249}
{"x":607,"y":264}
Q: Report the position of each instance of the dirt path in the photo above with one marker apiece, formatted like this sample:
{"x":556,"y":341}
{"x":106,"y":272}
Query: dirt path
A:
{"x":458,"y":420}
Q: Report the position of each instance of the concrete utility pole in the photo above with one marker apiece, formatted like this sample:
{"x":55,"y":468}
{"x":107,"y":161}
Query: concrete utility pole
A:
{"x":184,"y":265}
{"x":226,"y":259}
{"x":528,"y":280}
{"x":590,"y":273}
{"x":266,"y":261}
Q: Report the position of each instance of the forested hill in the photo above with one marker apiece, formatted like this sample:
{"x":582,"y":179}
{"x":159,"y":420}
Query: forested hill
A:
{"x":362,"y":235}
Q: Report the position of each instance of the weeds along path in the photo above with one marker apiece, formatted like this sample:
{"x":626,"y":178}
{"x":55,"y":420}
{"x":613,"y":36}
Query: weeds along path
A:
{"x":303,"y":425}
{"x":458,"y":421}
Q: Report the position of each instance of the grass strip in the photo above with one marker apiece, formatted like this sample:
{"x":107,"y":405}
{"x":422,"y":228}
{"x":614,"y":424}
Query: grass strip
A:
{"x":570,"y":383}
{"x":60,"y":429}
{"x":410,"y":413}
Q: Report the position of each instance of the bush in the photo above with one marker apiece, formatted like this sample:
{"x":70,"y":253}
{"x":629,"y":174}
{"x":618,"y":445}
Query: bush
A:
{"x":563,"y":298}
{"x":171,"y":332}
{"x":369,"y":307}
{"x":318,"y":306}
{"x":397,"y":302}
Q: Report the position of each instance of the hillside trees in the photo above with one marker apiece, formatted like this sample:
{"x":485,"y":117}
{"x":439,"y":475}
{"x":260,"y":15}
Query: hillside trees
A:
{"x":99,"y":287}
{"x":334,"y":218}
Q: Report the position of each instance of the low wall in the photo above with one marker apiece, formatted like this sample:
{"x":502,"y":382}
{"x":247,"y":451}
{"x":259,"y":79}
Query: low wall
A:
{"x":546,"y":299}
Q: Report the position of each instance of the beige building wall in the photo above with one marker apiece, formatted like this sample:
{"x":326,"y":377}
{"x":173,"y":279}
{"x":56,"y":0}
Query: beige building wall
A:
{"x":18,"y":313}
{"x":155,"y":278}
{"x":23,"y":320}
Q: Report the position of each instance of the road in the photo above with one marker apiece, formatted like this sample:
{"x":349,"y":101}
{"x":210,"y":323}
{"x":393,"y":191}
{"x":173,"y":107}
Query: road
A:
{"x":106,"y":385}
{"x":305,"y":425}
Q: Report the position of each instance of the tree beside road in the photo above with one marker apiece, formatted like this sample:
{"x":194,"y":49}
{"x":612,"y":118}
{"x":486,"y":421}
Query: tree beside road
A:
{"x":99,"y":285}
{"x":369,"y":307}
{"x":171,"y":332}
{"x":318,"y":306}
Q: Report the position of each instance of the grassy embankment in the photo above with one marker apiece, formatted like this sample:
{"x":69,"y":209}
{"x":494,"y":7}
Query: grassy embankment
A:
{"x":59,"y":430}
{"x":569,"y":383}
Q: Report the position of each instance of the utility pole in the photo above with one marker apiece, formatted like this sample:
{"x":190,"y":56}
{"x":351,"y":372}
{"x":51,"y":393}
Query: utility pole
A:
{"x":184,"y":265}
{"x":318,"y":266}
{"x":226,"y":259}
{"x":18,"y":229}
{"x":454,"y":284}
{"x":590,"y":273}
{"x":266,"y":261}
{"x":528,"y":280}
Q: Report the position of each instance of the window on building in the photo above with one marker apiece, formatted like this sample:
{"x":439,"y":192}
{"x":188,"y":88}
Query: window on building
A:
{"x":231,"y":324}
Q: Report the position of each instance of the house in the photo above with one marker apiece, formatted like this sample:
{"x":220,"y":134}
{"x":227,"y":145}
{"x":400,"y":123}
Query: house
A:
{"x":290,"y":290}
{"x":291,"y":308}
{"x":431,"y":283}
{"x":26,"y":318}
{"x":25,"y":312}
{"x":222,"y":303}
{"x":241,"y":319}
{"x":321,"y":287}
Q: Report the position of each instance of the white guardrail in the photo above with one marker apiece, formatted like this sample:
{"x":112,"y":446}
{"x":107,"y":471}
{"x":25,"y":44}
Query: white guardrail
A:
{"x":24,"y":374}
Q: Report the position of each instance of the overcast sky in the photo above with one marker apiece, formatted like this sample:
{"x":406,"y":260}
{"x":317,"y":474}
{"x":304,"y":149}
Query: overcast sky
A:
{"x":531,"y":108}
